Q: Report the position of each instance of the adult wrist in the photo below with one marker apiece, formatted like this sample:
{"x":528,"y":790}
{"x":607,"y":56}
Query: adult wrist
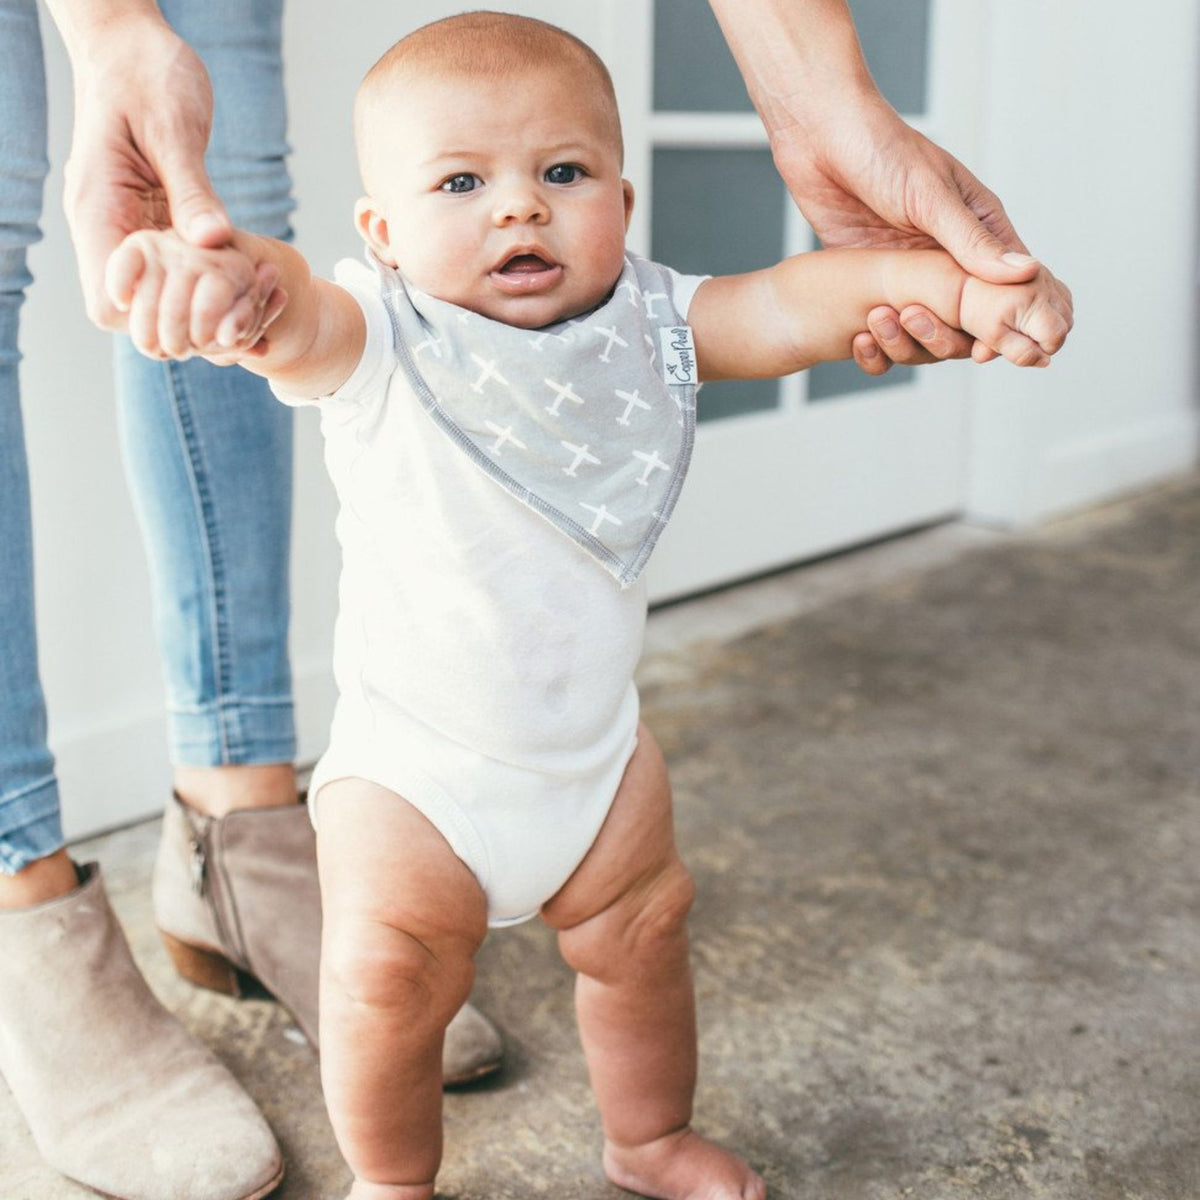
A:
{"x":801,"y":63}
{"x":90,"y":28}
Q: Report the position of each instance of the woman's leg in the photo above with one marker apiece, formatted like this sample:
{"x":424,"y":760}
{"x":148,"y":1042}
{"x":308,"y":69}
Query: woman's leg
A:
{"x":30,"y":827}
{"x":208,"y":452}
{"x":154,"y":1113}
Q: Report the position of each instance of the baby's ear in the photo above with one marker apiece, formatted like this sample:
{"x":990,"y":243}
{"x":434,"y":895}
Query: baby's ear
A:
{"x":372,"y":227}
{"x":627,"y":189}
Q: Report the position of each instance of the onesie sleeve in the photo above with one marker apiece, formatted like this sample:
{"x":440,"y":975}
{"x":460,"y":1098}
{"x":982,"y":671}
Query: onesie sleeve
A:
{"x":684,"y":289}
{"x":369,"y":378}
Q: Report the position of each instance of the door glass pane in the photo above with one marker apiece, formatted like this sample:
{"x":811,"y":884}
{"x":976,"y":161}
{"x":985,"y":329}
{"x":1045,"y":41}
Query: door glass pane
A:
{"x":895,"y":42}
{"x":693,"y":69}
{"x":829,"y":380}
{"x":720,"y":212}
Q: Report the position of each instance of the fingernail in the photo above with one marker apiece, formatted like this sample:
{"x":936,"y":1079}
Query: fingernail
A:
{"x":919,"y":327}
{"x":870,"y":351}
{"x":1017,"y":260}
{"x":889,"y":331}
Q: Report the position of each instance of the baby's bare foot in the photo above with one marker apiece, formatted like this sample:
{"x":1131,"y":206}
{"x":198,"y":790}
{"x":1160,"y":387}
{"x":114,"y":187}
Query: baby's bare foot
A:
{"x":682,"y":1166}
{"x":362,"y":1190}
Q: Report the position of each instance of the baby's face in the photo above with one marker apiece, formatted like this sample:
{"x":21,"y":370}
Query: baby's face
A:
{"x":501,"y":196}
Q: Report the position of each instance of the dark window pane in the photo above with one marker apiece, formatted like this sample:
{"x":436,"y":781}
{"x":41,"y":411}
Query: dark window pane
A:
{"x":693,"y":69}
{"x":895,"y":41}
{"x":827,"y":381}
{"x":720,"y":212}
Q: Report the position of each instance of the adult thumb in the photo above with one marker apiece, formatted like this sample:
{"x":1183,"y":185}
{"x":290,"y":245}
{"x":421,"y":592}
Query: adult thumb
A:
{"x":976,"y":231}
{"x":196,"y":213}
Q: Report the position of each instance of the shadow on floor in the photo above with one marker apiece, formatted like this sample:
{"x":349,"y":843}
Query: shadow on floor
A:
{"x":946,"y":835}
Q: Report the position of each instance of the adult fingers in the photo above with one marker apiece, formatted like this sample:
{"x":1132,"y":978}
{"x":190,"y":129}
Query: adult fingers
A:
{"x":884,"y":325}
{"x":96,"y":216}
{"x":939,"y":340}
{"x":868,"y":356}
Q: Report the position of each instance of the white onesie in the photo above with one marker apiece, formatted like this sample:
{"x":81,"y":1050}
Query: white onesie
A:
{"x":484,"y":657}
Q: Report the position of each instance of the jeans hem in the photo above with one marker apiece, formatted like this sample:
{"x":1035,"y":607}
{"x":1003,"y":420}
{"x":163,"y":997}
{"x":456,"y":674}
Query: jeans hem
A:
{"x":37,"y":831}
{"x":238,"y":734}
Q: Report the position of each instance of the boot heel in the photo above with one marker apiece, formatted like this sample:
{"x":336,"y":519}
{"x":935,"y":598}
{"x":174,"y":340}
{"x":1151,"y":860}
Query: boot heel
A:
{"x":204,"y":968}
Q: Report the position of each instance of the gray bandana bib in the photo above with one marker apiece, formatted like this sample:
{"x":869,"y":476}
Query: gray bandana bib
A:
{"x":589,"y":422}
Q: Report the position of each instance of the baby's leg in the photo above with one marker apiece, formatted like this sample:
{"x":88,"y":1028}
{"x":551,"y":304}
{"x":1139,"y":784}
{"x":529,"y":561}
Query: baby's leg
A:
{"x":622,"y":925}
{"x":403,"y":917}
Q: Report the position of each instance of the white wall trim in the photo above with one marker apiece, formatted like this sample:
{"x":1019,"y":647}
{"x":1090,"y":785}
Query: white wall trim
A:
{"x":112,"y":775}
{"x":1107,"y":464}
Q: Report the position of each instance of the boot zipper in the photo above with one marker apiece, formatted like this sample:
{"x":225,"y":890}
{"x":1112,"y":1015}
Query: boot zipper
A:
{"x":198,"y":866}
{"x":199,"y":831}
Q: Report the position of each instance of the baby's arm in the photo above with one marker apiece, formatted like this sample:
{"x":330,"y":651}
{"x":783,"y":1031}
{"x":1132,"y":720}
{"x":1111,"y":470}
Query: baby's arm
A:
{"x":183,"y":300}
{"x":807,"y":310}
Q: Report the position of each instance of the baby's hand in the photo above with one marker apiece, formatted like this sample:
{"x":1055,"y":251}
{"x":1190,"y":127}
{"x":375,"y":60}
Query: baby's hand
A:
{"x":1024,"y":322}
{"x":184,"y":300}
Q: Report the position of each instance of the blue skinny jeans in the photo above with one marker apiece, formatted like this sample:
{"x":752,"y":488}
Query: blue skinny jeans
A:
{"x":208,"y":451}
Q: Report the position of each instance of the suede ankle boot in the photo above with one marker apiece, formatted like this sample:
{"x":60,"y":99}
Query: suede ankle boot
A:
{"x":118,"y":1095}
{"x":236,"y":897}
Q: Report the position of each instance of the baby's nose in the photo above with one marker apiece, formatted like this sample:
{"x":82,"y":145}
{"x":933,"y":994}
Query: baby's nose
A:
{"x":521,"y":203}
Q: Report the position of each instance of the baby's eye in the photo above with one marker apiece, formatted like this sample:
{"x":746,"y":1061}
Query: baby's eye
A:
{"x":461,"y":183}
{"x":564,"y":173}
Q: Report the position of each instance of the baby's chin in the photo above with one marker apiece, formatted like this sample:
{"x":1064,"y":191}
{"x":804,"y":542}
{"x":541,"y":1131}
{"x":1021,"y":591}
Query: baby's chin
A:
{"x":531,"y":312}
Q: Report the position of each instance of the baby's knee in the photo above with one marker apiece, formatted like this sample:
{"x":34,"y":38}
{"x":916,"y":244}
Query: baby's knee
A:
{"x":664,"y":911}
{"x":645,"y":929}
{"x":371,"y":964}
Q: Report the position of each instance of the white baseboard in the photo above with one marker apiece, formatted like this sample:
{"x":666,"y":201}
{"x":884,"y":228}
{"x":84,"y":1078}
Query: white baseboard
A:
{"x":119,"y":774}
{"x":1100,"y":468}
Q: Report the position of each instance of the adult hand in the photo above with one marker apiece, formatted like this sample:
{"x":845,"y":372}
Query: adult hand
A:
{"x":866,"y":178}
{"x":143,"y":113}
{"x":861,"y":175}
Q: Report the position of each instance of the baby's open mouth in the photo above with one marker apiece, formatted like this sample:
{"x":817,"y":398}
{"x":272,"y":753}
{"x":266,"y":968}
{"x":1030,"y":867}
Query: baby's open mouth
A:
{"x":525,"y":264}
{"x":527,"y":273}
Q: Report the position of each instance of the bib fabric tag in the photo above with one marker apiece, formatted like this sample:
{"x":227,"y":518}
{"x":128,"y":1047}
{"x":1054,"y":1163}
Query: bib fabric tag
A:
{"x":678,"y":356}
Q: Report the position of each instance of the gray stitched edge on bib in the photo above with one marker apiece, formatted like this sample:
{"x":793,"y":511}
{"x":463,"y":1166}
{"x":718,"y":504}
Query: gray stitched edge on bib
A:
{"x":535,"y":479}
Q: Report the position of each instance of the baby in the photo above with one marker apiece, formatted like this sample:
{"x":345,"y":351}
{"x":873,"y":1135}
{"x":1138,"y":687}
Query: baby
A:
{"x":508,"y":402}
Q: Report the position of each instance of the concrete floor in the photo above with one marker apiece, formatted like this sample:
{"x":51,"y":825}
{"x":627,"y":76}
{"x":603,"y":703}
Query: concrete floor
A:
{"x":942,"y":800}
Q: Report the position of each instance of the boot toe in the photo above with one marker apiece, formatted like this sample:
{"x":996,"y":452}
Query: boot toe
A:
{"x":473,"y":1047}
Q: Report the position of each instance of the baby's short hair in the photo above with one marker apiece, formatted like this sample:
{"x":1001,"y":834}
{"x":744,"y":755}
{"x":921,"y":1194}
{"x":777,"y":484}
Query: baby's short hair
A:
{"x":490,"y":45}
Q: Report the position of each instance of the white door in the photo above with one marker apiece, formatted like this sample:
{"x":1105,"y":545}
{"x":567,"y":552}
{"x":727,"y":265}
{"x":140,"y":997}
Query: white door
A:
{"x":829,"y":458}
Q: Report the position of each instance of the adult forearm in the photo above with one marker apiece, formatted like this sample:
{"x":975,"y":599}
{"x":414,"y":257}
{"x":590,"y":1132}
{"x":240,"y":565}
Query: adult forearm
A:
{"x":796,"y":56}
